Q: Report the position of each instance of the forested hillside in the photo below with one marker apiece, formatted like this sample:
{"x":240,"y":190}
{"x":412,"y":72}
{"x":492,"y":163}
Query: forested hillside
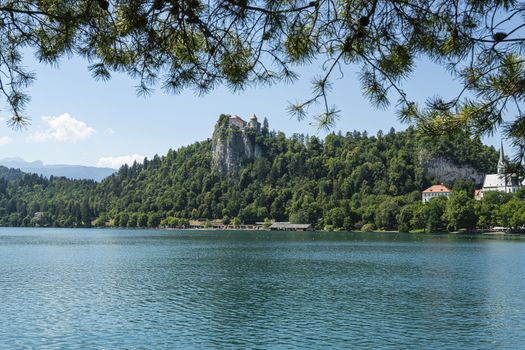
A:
{"x":33,"y":200}
{"x":343,"y":181}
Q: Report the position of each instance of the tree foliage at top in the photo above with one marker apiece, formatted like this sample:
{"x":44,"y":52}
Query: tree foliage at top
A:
{"x":179,"y":44}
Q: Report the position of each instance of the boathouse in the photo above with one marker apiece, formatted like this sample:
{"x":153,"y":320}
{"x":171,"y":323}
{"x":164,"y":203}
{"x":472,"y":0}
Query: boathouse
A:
{"x":286,"y":226}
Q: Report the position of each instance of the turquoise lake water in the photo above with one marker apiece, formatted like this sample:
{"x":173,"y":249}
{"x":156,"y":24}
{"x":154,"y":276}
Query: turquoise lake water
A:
{"x":147,"y":289}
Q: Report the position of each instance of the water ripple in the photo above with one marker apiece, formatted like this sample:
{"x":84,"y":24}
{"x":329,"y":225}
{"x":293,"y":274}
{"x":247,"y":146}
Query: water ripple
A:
{"x":152,"y":290}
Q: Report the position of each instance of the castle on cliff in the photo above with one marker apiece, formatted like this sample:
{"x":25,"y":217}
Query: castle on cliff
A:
{"x":234,"y":142}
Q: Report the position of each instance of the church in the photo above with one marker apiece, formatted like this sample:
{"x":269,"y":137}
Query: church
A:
{"x":501,"y":181}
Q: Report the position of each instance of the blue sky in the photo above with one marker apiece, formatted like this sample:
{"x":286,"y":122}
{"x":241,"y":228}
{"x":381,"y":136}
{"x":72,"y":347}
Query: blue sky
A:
{"x":77,"y":120}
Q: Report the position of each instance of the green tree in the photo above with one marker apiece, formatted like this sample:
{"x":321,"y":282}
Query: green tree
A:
{"x":487,"y":210}
{"x":512,"y":214}
{"x":85,"y":213}
{"x":368,"y":228}
{"x":299,"y":217}
{"x":142,"y":220}
{"x":132,"y":220}
{"x":267,"y":223}
{"x":101,"y":220}
{"x":13,"y":219}
{"x":236,"y":221}
{"x":154,"y":219}
{"x":265,"y":127}
{"x":405,"y":217}
{"x":466,"y":186}
{"x":386,"y":215}
{"x":183,"y":222}
{"x":335,"y":217}
{"x":248,"y":214}
{"x":432,"y":213}
{"x":459,"y":212}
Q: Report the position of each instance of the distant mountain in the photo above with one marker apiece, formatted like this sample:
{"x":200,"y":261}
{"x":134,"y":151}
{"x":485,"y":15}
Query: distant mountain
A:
{"x":69,"y":171}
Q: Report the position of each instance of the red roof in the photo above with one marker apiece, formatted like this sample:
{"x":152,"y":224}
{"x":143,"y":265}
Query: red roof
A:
{"x":238,"y":118}
{"x":437,"y":189}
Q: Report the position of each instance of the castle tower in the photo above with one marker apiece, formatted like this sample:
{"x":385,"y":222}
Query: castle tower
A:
{"x":254,"y":124}
{"x":501,"y":161}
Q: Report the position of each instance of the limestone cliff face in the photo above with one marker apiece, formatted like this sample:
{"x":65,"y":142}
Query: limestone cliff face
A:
{"x":232,"y":146}
{"x":443,"y":169}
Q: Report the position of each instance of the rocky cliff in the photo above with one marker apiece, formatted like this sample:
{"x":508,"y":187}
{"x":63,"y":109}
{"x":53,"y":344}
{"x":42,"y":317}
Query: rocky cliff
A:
{"x":445,"y":170}
{"x":232,"y":145}
{"x":235,"y":142}
{"x":447,"y":158}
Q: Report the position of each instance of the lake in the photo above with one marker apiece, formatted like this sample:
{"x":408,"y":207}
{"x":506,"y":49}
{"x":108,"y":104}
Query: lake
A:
{"x":149,"y":289}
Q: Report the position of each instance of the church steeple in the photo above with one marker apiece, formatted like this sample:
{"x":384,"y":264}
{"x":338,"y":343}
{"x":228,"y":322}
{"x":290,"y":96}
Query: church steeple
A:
{"x":501,"y":161}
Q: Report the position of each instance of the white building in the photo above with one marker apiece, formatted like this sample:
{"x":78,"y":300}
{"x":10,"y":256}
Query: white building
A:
{"x":435,"y":191}
{"x":501,"y":181}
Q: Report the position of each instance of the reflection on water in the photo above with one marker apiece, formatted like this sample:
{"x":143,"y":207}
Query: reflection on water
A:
{"x":152,"y":289}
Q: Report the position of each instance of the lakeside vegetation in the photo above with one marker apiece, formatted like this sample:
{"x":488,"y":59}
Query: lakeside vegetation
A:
{"x":344,"y":182}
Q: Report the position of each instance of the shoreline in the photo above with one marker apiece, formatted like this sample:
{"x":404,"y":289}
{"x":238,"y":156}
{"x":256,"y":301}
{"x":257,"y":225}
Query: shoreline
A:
{"x":480,"y":234}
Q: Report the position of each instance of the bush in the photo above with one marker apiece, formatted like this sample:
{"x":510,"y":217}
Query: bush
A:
{"x":100,"y":221}
{"x":368,"y":228}
{"x":267,"y":223}
{"x":236,"y":221}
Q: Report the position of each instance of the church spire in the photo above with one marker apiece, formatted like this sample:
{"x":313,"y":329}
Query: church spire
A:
{"x":501,"y":161}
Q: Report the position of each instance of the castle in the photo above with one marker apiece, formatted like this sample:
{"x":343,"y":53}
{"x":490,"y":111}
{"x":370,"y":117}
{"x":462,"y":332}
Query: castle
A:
{"x":242,"y":124}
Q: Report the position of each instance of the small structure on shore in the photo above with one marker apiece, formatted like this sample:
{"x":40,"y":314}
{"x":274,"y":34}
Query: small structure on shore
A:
{"x":286,"y":226}
{"x":205,"y":224}
{"x":435,"y":191}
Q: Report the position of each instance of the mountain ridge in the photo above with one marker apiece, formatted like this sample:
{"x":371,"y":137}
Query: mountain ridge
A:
{"x":71,"y":171}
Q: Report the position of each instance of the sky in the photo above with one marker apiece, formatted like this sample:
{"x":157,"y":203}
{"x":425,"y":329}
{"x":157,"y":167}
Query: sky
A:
{"x":77,"y":120}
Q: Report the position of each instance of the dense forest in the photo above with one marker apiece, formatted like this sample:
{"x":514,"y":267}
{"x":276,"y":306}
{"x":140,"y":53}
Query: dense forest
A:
{"x":10,"y":174}
{"x":347,"y":182}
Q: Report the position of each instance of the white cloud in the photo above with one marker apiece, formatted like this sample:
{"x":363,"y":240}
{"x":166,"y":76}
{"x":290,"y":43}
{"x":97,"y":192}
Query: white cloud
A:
{"x":4,"y":140}
{"x":63,"y":128}
{"x":116,"y":162}
{"x":109,"y":132}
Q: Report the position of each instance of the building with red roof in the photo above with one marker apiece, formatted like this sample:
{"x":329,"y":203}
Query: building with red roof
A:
{"x":435,"y":191}
{"x":237,"y":121}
